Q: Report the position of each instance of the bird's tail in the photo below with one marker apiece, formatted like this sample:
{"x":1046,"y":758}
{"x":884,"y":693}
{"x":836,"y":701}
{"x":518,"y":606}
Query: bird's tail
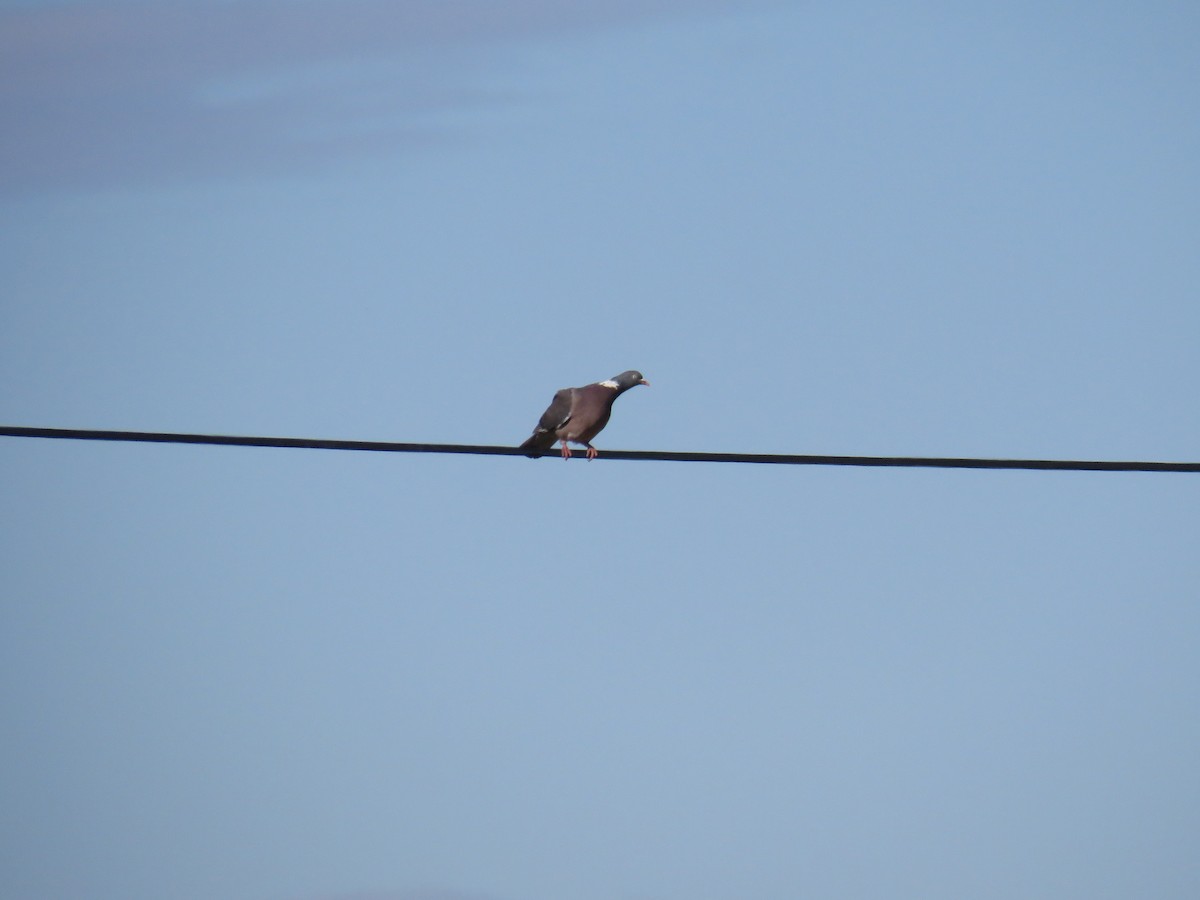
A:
{"x":538,"y":443}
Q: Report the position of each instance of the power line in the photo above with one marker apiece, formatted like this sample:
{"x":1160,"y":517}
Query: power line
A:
{"x":788,"y":459}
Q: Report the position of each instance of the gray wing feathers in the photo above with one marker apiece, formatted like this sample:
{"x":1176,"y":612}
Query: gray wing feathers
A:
{"x":557,"y":414}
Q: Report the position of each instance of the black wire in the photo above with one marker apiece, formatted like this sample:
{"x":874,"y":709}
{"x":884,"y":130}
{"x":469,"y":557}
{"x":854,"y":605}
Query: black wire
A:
{"x":789,"y":459}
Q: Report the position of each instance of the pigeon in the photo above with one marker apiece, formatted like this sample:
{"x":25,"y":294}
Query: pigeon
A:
{"x":579,"y":414}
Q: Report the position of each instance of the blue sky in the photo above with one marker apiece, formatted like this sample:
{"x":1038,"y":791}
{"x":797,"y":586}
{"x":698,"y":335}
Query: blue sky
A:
{"x":878,"y":229}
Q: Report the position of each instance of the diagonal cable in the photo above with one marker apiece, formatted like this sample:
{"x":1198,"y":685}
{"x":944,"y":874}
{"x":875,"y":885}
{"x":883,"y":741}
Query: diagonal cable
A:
{"x":787,"y":459}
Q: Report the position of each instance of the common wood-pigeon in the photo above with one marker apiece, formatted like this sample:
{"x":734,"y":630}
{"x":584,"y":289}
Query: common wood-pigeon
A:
{"x":579,"y":414}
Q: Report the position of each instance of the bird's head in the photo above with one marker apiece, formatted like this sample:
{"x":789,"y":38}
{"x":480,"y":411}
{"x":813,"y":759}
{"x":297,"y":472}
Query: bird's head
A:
{"x":626,"y":380}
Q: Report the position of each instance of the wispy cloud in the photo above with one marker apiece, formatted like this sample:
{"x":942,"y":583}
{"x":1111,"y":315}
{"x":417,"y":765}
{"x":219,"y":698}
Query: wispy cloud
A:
{"x":428,"y":894}
{"x":109,"y":93}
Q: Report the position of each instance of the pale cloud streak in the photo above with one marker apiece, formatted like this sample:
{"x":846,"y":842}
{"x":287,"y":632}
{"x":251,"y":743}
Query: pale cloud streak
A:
{"x":114,"y":93}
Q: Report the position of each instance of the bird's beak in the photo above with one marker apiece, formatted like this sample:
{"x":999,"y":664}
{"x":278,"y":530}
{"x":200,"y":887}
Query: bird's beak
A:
{"x":645,"y":382}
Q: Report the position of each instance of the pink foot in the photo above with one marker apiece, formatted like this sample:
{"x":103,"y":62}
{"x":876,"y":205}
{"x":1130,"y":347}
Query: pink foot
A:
{"x":566,"y":451}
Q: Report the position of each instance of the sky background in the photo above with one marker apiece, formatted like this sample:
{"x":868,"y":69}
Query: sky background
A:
{"x":852,"y":228}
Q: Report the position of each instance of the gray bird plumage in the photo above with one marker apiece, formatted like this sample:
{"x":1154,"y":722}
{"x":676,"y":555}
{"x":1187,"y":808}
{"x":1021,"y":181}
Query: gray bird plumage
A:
{"x":579,"y":414}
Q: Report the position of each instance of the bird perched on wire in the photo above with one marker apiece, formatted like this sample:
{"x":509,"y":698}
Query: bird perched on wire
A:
{"x":579,"y":414}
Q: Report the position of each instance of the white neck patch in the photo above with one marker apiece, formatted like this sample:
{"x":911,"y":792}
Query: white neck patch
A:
{"x":608,"y":384}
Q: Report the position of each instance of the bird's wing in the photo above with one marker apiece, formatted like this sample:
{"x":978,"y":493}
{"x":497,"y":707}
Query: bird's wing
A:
{"x":555,"y":417}
{"x":558,"y":413}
